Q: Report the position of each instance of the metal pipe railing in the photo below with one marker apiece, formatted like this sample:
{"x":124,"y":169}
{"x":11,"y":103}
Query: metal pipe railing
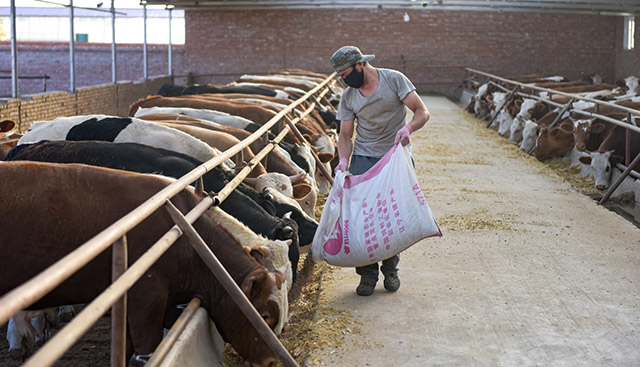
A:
{"x":23,"y":296}
{"x":569,"y":95}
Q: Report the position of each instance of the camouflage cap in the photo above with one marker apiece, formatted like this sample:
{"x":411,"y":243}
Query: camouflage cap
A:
{"x":347,"y":56}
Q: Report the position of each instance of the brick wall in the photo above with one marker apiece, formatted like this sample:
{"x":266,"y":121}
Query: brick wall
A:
{"x":430,"y":48}
{"x":93,"y":64}
{"x":106,"y":99}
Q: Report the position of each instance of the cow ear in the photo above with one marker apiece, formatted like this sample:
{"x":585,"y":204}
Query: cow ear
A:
{"x":253,"y":282}
{"x":301,"y":191}
{"x":517,"y":103}
{"x":307,"y":137}
{"x":615,"y":159}
{"x":325,"y":157}
{"x":539,"y":107}
{"x":585,"y":159}
{"x":7,"y":125}
{"x":597,"y":128}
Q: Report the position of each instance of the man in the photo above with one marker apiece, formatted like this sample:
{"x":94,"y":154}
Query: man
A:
{"x":376,"y":97}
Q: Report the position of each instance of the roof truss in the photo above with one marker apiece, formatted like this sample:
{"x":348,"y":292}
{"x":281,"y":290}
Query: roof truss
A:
{"x":602,"y":7}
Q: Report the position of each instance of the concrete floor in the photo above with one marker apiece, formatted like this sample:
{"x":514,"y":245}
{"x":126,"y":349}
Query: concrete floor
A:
{"x":529,"y":271}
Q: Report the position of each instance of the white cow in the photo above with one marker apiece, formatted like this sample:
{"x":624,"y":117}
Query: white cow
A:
{"x":118,"y":130}
{"x":207,"y":116}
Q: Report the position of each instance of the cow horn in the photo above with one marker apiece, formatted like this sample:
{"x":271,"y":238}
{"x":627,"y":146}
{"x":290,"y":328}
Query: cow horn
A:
{"x":287,"y":232}
{"x":298,"y":177}
{"x":287,"y":215}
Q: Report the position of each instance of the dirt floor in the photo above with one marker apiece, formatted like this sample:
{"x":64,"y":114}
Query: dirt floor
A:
{"x":529,"y":272}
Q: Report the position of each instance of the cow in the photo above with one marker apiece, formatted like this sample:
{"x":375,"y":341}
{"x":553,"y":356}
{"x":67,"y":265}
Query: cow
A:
{"x":530,"y":109}
{"x":257,"y":114}
{"x":27,"y":327}
{"x":590,"y":132}
{"x":204,"y":115}
{"x":75,"y":202}
{"x":481,"y":105}
{"x":120,"y":130}
{"x":233,"y":89}
{"x":555,"y":141}
{"x":218,"y":140}
{"x":610,"y":152}
{"x":145,"y":159}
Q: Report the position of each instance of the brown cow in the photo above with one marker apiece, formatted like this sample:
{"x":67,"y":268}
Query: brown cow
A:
{"x":555,"y":141}
{"x":611,"y":151}
{"x":74,"y":202}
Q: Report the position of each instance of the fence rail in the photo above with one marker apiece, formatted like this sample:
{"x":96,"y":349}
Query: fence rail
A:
{"x":31,"y":291}
{"x":631,"y":126}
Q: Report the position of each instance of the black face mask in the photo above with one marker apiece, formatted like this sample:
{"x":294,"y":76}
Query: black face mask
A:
{"x":355,"y":79}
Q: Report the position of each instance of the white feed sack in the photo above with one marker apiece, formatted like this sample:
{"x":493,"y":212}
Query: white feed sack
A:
{"x":370,"y":217}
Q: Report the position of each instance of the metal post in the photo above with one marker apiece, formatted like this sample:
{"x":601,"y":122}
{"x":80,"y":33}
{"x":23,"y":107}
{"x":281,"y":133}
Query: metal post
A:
{"x":119,"y":308}
{"x":145,"y":56}
{"x":114,"y":69}
{"x":72,"y":51}
{"x":564,"y":109}
{"x":170,"y":47}
{"x":14,"y":52}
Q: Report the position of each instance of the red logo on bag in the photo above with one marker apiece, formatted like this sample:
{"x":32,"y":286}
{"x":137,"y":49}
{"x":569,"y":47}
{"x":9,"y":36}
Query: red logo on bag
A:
{"x":334,"y":243}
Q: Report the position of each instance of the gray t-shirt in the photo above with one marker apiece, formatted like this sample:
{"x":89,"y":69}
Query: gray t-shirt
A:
{"x":379,"y":116}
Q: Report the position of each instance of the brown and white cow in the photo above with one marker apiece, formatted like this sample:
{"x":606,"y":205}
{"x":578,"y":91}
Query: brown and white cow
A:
{"x":555,"y":141}
{"x":74,"y":202}
{"x":610,"y":152}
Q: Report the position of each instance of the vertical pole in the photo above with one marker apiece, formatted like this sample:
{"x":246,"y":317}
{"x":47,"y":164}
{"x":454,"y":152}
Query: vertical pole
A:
{"x":627,"y":142}
{"x":72,"y":51}
{"x":114,"y":69}
{"x":119,"y":308}
{"x":145,"y":56}
{"x":170,"y":47}
{"x":14,"y":52}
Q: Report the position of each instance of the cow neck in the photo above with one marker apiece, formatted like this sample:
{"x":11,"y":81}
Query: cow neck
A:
{"x":229,"y":252}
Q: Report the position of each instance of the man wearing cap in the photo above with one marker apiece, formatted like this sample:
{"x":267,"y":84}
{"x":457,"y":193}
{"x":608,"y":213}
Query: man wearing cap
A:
{"x":376,"y":99}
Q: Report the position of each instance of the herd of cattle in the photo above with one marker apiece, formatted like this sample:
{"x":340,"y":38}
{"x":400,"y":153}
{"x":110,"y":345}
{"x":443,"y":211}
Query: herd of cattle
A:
{"x":541,"y":130}
{"x":92,"y":170}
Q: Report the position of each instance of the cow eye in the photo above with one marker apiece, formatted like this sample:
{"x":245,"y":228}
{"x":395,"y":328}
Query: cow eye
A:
{"x":265,"y":317}
{"x":607,"y":169}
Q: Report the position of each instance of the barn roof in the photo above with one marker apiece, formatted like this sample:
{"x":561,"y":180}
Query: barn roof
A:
{"x":601,"y":7}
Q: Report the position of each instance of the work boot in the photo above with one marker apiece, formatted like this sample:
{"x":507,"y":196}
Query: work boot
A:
{"x":391,"y":282}
{"x":365,"y":288}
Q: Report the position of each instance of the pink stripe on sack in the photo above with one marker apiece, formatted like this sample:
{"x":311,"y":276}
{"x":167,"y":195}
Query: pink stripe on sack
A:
{"x":353,"y":180}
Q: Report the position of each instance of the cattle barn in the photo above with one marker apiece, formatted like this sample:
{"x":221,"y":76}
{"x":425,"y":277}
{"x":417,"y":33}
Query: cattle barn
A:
{"x":529,"y":162}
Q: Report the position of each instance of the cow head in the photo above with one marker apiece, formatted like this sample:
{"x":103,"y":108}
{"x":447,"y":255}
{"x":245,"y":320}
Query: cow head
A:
{"x":517,"y":127}
{"x":601,"y":164}
{"x":554,"y":142}
{"x":529,"y":136}
{"x":505,"y":121}
{"x":583,"y":130}
{"x":261,"y":288}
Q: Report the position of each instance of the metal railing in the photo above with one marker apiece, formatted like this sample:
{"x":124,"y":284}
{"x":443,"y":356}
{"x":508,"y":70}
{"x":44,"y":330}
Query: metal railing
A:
{"x":114,"y":296}
{"x":517,"y":87}
{"x":44,"y":78}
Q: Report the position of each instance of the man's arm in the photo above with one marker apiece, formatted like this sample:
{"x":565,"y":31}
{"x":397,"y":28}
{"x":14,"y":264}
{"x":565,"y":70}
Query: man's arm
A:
{"x":345,"y":141}
{"x":420,"y":113}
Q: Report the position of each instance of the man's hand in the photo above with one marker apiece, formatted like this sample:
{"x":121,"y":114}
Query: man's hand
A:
{"x":403,"y":135}
{"x":342,"y":165}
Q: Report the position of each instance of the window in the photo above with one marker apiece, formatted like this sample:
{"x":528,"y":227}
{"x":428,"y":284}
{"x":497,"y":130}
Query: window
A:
{"x":629,"y":32}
